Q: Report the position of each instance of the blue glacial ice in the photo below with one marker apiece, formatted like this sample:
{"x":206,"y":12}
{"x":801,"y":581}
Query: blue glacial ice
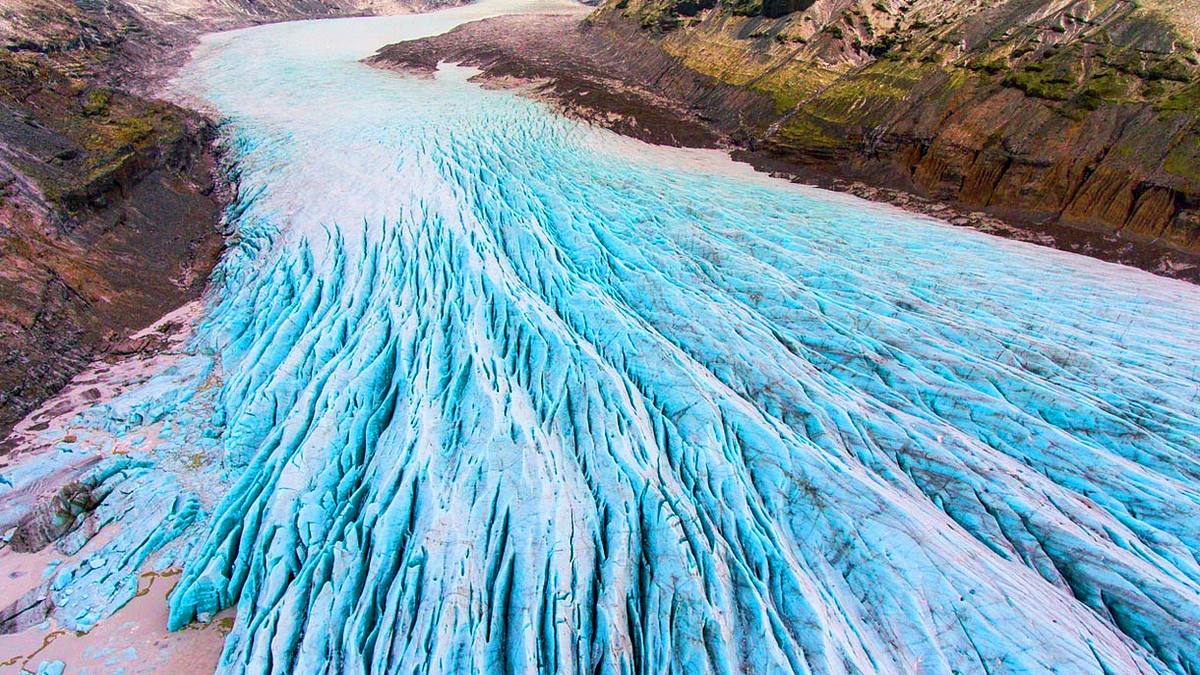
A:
{"x":499,"y":392}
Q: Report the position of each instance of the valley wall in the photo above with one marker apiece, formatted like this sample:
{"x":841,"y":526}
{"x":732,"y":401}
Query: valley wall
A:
{"x":109,"y":207}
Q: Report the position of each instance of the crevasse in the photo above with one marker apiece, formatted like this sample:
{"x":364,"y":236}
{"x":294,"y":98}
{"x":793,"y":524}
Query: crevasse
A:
{"x":499,"y":392}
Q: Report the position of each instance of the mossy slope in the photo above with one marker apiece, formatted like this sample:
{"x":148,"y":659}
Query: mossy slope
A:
{"x":1085,"y":111}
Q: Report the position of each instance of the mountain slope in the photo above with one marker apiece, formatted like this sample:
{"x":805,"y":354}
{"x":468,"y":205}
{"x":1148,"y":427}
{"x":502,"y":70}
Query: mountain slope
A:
{"x":1079,"y":112}
{"x":107,"y":217}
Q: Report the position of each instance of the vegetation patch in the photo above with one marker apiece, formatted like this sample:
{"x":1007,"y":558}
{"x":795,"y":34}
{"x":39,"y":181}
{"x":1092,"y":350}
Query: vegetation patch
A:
{"x":1186,"y":99}
{"x":96,"y":102}
{"x":1184,"y":158}
{"x":804,"y":130}
{"x":1040,"y":81}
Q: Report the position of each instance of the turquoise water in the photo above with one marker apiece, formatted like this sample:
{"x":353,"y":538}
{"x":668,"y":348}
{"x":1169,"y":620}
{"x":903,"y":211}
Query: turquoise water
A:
{"x":500,"y":392}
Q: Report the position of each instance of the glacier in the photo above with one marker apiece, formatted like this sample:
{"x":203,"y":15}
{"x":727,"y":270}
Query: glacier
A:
{"x":479,"y":388}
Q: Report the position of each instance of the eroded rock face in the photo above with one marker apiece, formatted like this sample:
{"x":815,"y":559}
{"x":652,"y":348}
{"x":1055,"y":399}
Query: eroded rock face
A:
{"x":1079,"y":113}
{"x":54,"y":517}
{"x":108,"y":217}
{"x":610,"y":73}
{"x":108,"y":205}
{"x":111,"y":223}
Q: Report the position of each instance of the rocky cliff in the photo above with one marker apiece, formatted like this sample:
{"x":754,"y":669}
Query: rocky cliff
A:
{"x":1079,"y":112}
{"x":107,"y":210}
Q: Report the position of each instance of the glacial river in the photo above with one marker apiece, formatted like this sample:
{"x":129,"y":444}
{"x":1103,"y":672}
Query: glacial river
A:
{"x":482,"y":389}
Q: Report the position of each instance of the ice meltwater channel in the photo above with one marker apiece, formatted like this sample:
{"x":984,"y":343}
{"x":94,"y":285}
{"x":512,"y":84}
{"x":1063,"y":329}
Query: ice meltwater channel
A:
{"x":483,"y":389}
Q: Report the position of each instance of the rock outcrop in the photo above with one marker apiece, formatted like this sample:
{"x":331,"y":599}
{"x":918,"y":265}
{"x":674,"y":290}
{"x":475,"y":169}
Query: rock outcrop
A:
{"x":109,"y":221}
{"x":107,"y":207}
{"x":1080,"y":112}
{"x":889,"y":121}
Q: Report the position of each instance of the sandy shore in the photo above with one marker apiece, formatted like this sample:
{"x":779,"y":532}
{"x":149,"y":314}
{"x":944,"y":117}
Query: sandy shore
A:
{"x":135,"y":639}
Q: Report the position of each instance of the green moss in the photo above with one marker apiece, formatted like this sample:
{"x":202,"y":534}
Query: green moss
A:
{"x":106,"y":167}
{"x":118,"y":135}
{"x":662,"y":16}
{"x":132,"y":130}
{"x":956,"y":78}
{"x":991,"y":66}
{"x":1156,"y":90}
{"x":1184,"y":159}
{"x":883,"y":45}
{"x":834,"y":31}
{"x":878,"y":82}
{"x":96,"y":102}
{"x":861,"y":100}
{"x":1172,"y":68}
{"x":1040,"y":82}
{"x":1088,"y":81}
{"x":1023,"y":50}
{"x":1186,"y":99}
{"x":746,"y":7}
{"x":1106,"y":86}
{"x":805,"y":131}
{"x":788,"y":88}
